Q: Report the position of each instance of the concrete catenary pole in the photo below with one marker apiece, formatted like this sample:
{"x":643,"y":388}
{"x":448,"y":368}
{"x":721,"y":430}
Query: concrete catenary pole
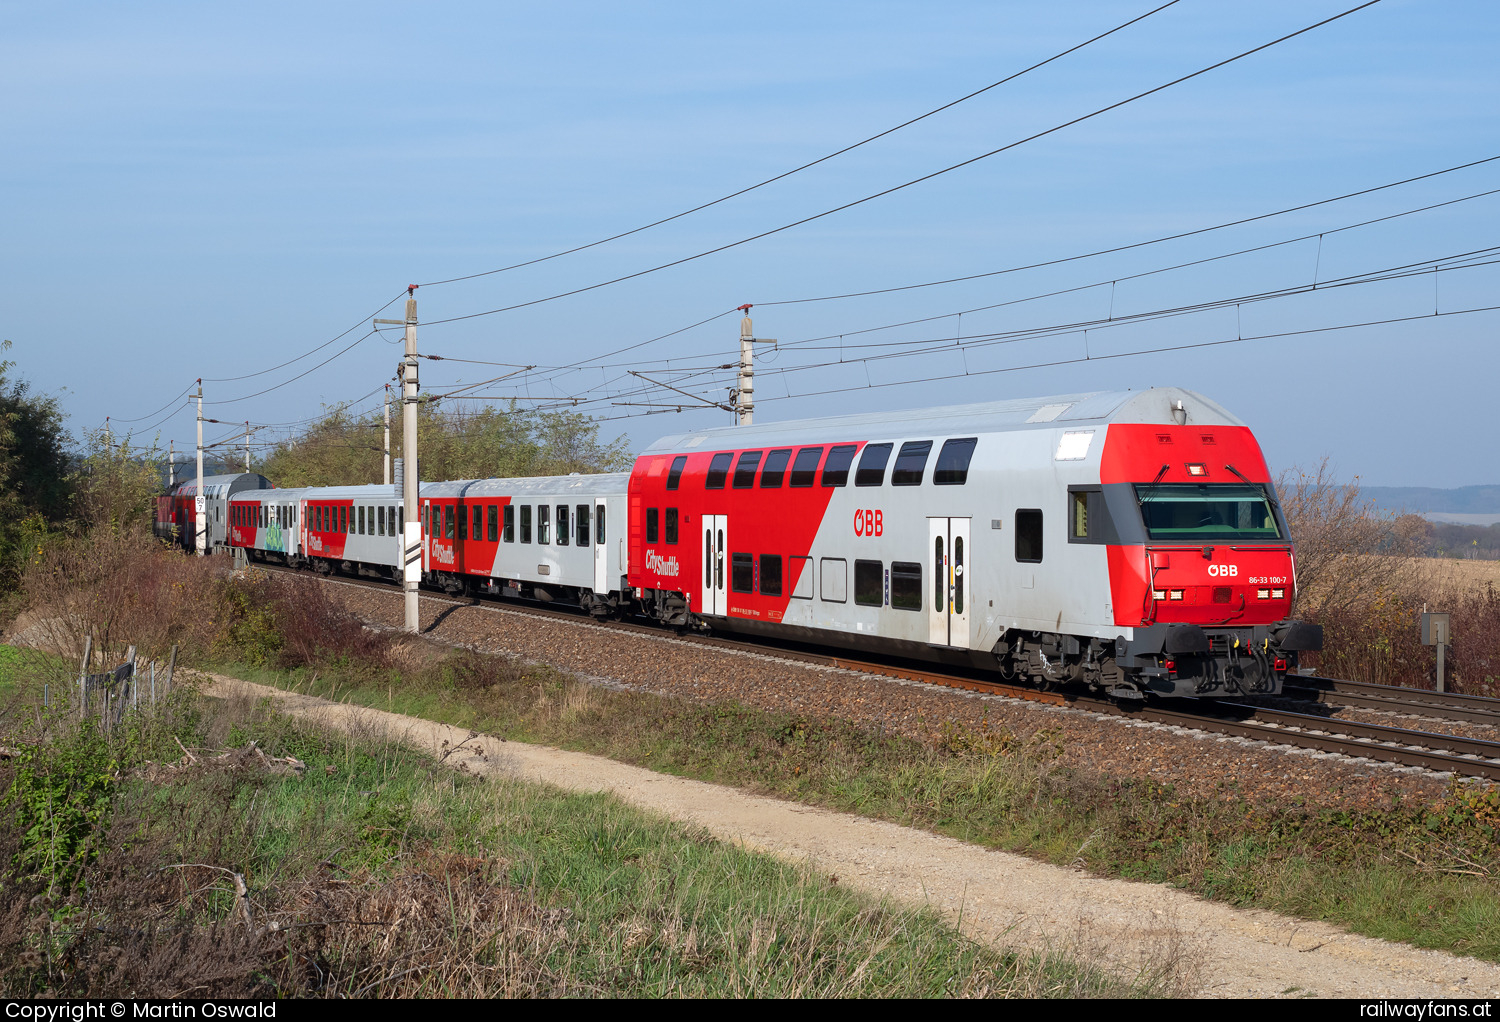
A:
{"x":171,"y":465}
{"x":386,"y":479}
{"x":200,"y":503}
{"x":744,"y":394}
{"x":412,"y":532}
{"x":247,"y":445}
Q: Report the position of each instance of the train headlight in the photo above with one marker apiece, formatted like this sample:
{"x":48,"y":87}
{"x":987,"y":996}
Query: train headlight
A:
{"x":1176,"y":594}
{"x":1278,"y":594}
{"x":1262,"y":594}
{"x":1158,"y":594}
{"x":1197,"y":468}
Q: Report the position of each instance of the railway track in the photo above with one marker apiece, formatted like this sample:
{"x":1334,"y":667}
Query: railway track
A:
{"x":1428,"y":750}
{"x":1367,"y":696}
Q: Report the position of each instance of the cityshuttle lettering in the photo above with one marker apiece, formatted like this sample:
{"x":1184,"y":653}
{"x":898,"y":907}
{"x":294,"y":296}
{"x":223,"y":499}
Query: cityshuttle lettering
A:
{"x":660,"y":565}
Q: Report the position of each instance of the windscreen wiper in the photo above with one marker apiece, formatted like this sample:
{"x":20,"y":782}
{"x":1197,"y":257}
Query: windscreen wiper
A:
{"x":1269,"y":491}
{"x":1140,"y":498}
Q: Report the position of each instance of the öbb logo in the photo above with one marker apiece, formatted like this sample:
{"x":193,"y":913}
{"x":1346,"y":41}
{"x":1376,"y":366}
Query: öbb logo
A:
{"x":1224,"y":570}
{"x":869,"y":523}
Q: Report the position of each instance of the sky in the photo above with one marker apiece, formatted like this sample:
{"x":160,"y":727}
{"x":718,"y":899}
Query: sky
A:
{"x":215,"y":190}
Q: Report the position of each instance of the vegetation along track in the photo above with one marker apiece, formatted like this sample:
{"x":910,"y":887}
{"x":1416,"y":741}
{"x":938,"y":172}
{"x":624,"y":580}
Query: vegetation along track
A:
{"x":1431,"y":751}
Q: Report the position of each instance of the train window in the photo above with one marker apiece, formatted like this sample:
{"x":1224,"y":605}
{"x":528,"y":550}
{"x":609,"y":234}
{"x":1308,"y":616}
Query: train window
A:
{"x":361,"y":530}
{"x":708,"y":558}
{"x":939,"y":574}
{"x":671,"y":528}
{"x":544,"y":523}
{"x":770,"y":574}
{"x":958,"y":574}
{"x":562,"y":525}
{"x":525,"y":523}
{"x":906,"y":585}
{"x":718,"y":470}
{"x":836,"y":469}
{"x":910,"y":463}
{"x":400,"y":513}
{"x":775,"y":470}
{"x":742,"y":573}
{"x":953,"y":462}
{"x":1078,"y":517}
{"x":494,"y":523}
{"x":805,"y":468}
{"x":581,"y":521}
{"x":835,"y":573}
{"x":510,"y":523}
{"x":802,"y":571}
{"x":674,"y":475}
{"x":653,"y":519}
{"x":744,"y":470}
{"x":344,"y":520}
{"x":476,"y":522}
{"x":872,"y":465}
{"x":1029,"y":536}
{"x":450,"y":523}
{"x":869,"y":583}
{"x":463,"y":521}
{"x":380,"y":521}
{"x":599,"y":525}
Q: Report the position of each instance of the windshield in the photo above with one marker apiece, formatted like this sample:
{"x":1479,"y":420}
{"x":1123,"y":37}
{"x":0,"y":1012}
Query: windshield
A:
{"x":1197,"y":511}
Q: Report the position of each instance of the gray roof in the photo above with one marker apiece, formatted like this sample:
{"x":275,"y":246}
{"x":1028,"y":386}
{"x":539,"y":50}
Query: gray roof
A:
{"x":248,"y":481}
{"x":595,"y":484}
{"x":1151,"y":406}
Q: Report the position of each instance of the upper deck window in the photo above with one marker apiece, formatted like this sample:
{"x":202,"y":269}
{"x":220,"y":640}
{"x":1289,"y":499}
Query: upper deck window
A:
{"x":744,"y":470}
{"x":836,"y":470}
{"x":872,"y":465}
{"x":775,"y":470}
{"x":805,"y":468}
{"x":1200,"y":511}
{"x":953,"y":462}
{"x":674,"y":474}
{"x":911,"y":463}
{"x":718,"y":471}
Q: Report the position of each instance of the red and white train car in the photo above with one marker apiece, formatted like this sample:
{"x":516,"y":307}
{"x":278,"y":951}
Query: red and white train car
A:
{"x":1131,"y":541}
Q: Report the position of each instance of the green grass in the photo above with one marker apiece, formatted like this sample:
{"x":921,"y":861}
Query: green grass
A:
{"x":1387,"y":874}
{"x":387,"y":874}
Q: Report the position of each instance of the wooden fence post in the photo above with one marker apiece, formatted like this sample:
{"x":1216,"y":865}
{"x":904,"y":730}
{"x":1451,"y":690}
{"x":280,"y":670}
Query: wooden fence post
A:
{"x":83,"y":677}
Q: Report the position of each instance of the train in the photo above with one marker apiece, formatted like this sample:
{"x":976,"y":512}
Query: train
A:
{"x":1129,"y":542}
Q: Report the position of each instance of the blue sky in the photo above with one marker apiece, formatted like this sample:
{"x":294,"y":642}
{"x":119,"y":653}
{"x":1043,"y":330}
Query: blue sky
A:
{"x":204,"y":190}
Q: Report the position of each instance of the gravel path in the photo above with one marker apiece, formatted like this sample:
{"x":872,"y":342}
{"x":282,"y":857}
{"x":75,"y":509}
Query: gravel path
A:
{"x":1001,"y":898}
{"x":1196,"y":762}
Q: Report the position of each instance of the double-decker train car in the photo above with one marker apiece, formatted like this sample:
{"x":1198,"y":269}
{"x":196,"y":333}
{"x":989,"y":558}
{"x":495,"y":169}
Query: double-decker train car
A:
{"x":1130,"y":541}
{"x":175,"y":511}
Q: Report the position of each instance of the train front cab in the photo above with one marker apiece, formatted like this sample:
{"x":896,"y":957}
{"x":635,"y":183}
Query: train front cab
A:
{"x":1201,"y":566}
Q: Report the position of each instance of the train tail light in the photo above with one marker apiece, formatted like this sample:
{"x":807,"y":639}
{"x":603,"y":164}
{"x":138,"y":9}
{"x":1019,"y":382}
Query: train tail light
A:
{"x":1280,"y":664}
{"x":1171,"y":666}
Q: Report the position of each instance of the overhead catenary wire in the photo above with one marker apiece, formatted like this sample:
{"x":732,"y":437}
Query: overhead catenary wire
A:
{"x":1136,"y":244}
{"x":813,"y":163}
{"x":914,"y":181}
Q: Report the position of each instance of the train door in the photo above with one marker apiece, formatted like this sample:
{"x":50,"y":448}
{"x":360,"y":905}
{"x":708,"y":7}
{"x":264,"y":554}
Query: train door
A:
{"x":602,"y":538}
{"x":715,"y":541}
{"x":948,"y":560}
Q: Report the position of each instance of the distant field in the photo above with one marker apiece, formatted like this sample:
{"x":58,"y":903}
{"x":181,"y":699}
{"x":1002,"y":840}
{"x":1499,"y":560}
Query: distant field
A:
{"x":1453,"y":577}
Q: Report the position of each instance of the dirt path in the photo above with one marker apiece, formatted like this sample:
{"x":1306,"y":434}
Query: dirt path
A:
{"x":997,"y":897}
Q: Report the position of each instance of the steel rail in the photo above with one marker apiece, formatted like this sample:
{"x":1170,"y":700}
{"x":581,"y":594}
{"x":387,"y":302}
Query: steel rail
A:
{"x":1324,"y":734}
{"x":1395,"y":699}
